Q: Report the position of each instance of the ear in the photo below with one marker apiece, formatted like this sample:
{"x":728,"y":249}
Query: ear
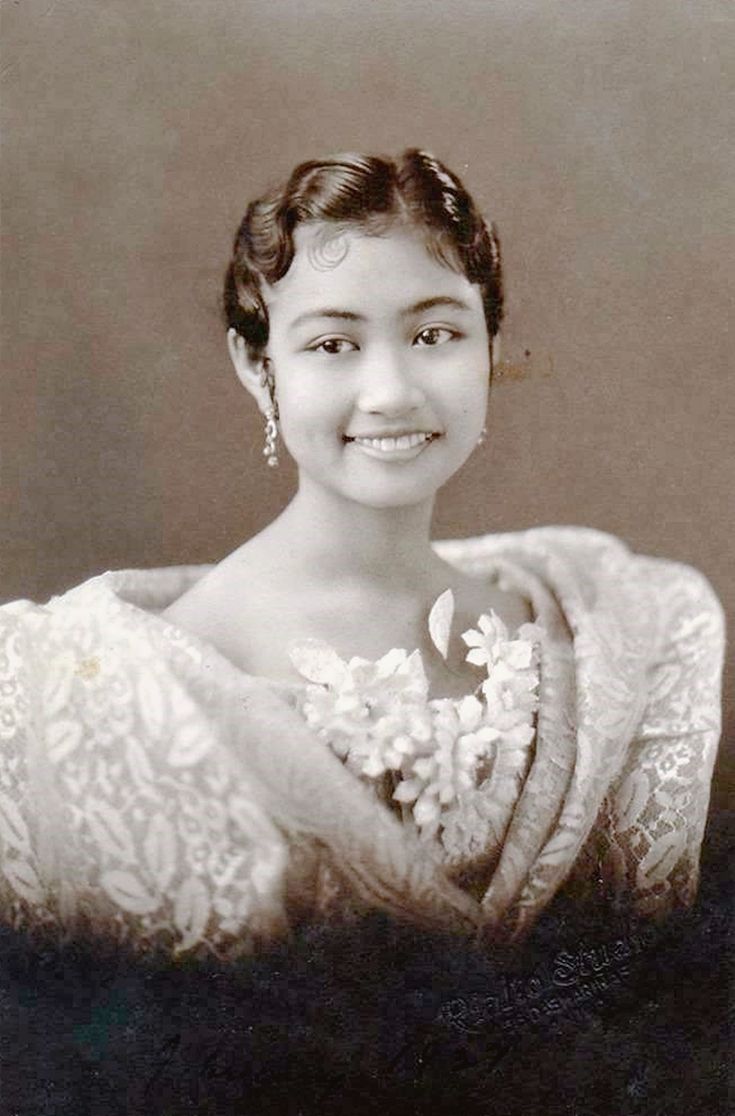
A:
{"x":249,"y":371}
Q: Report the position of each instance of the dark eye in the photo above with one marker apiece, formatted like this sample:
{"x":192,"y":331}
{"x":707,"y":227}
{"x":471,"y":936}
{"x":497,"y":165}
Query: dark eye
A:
{"x":334,"y":346}
{"x":434,"y":335}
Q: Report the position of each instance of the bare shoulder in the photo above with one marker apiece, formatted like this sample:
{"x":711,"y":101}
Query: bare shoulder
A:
{"x":230,"y":587}
{"x":244,"y":608}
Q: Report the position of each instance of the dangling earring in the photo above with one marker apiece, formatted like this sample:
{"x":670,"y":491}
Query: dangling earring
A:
{"x":271,"y":418}
{"x":483,"y":437}
{"x":271,"y":434}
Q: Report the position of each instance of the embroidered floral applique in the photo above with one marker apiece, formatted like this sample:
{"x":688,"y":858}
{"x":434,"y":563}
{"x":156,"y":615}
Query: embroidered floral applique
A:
{"x":424,"y":755}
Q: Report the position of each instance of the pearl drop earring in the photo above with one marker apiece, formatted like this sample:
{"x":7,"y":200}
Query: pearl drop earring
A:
{"x":271,"y":435}
{"x":270,"y":452}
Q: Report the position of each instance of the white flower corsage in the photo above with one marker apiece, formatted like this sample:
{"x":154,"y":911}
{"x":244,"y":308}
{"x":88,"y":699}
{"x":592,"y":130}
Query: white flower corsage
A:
{"x":423,"y":754}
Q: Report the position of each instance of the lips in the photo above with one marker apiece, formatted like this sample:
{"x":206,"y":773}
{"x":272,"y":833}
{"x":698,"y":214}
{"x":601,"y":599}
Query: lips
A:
{"x":392,"y":442}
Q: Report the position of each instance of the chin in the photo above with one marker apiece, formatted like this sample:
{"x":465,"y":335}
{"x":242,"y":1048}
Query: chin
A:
{"x":399,"y":486}
{"x":392,"y":495}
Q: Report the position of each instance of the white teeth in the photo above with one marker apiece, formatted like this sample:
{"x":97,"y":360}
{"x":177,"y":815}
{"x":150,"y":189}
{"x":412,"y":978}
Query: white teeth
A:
{"x":386,"y":445}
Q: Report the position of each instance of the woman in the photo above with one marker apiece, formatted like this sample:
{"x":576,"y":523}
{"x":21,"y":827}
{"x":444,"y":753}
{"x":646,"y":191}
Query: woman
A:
{"x":201,"y":758}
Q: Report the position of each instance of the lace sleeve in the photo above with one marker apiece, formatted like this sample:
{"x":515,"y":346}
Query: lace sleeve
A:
{"x":25,"y":844}
{"x":151,"y":794}
{"x":647,"y":840}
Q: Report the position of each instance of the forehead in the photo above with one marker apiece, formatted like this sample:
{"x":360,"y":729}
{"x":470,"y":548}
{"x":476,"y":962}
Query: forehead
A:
{"x":340,"y":266}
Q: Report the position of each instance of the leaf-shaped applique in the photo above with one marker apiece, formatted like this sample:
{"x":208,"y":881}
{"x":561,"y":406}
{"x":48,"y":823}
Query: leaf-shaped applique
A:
{"x":159,"y":848}
{"x":127,"y":891}
{"x":440,"y":621}
{"x":661,"y":859}
{"x":316,"y":661}
{"x":13,"y":829}
{"x":191,"y":912}
{"x":109,"y":830}
{"x":632,"y":798}
{"x":151,"y":704}
{"x":24,"y":881}
{"x":62,"y":738}
{"x":191,"y":743}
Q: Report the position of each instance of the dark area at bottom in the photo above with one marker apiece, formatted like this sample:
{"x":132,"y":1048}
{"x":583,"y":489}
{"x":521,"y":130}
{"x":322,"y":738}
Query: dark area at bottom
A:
{"x":590,"y":1018}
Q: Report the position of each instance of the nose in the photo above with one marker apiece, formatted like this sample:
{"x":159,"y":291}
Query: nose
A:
{"x":388,"y":386}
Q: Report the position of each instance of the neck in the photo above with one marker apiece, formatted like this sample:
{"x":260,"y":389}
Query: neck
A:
{"x":344,"y":540}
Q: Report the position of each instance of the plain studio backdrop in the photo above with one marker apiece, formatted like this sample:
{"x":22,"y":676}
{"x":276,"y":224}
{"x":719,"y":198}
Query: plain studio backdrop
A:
{"x":593,"y":133}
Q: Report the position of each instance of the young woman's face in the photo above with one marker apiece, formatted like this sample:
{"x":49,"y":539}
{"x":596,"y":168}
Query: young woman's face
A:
{"x":381,"y":361}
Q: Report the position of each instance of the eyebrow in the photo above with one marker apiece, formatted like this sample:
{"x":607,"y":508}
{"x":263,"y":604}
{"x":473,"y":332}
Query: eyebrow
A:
{"x":430,"y":303}
{"x":410,"y":311}
{"x":327,"y":312}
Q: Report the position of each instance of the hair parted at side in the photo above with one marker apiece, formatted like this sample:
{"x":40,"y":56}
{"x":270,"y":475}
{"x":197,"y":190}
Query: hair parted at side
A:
{"x":372,"y":193}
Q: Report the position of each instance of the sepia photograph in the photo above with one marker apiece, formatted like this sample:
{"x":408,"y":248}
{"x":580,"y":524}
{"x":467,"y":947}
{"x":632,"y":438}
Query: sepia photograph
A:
{"x":365,"y":711}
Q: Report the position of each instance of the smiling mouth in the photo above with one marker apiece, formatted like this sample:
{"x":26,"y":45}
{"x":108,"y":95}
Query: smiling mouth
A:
{"x":392,"y":443}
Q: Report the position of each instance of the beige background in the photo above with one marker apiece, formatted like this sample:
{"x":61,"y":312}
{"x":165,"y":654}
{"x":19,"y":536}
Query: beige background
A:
{"x":592,"y":131}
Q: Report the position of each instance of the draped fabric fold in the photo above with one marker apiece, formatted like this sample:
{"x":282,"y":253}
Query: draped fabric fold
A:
{"x":306,"y":791}
{"x":536,"y":812}
{"x":153,"y":792}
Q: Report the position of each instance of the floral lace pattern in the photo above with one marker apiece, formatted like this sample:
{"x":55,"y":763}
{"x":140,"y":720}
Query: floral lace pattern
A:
{"x":642,"y":671}
{"x":154,"y":793}
{"x":158,"y":836}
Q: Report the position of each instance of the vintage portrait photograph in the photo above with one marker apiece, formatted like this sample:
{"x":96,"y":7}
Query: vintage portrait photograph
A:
{"x":365,"y":712}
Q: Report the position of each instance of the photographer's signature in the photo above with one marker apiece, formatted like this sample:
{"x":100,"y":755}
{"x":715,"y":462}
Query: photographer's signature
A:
{"x":571,"y":980}
{"x":569,"y":986}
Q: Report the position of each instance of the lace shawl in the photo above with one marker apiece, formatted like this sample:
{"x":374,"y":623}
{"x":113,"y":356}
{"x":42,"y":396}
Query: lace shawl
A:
{"x":152,"y":792}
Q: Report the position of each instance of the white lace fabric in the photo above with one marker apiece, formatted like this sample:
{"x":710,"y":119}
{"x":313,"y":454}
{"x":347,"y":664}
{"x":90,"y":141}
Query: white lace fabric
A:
{"x":152,"y":792}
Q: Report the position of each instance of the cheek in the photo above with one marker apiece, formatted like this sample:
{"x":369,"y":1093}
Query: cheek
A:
{"x":466,"y":396}
{"x":309,"y":414}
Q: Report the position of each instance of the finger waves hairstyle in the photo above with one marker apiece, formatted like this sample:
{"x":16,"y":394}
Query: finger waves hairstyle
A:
{"x":372,"y":193}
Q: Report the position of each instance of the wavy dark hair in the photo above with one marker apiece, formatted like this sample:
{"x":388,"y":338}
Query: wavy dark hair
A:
{"x":370,"y":192}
